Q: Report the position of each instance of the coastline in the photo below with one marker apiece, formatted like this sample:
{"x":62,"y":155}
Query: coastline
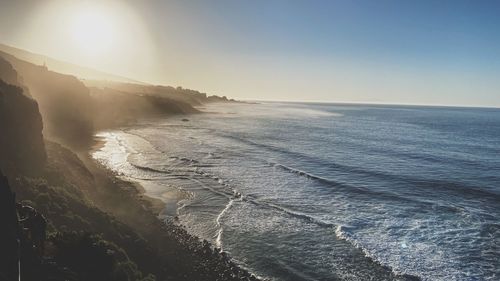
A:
{"x":136,"y":190}
{"x":141,"y":191}
{"x":145,"y":214}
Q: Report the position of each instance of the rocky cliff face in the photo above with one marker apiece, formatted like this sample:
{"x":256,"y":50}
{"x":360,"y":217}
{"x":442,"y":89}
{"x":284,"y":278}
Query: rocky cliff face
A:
{"x":65,"y":103}
{"x":21,"y":145}
{"x":7,"y":73}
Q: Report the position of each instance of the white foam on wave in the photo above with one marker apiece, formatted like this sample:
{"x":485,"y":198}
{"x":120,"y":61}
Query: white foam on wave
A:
{"x":218,"y":239}
{"x":405,"y":255}
{"x":114,"y":153}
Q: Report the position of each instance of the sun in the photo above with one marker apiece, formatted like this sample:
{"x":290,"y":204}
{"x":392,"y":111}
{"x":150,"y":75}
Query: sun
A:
{"x":93,"y":32}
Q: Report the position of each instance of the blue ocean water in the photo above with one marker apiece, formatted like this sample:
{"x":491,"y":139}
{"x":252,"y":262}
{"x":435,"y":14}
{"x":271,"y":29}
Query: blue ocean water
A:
{"x":296,"y":191}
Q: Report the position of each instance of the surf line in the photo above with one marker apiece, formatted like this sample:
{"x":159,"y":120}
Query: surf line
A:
{"x":218,"y":240}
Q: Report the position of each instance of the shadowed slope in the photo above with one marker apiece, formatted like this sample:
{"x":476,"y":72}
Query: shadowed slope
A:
{"x":21,"y":145}
{"x":64,"y":101}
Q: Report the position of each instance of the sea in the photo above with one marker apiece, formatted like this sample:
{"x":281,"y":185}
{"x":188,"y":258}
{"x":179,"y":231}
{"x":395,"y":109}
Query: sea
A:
{"x":317,"y":191}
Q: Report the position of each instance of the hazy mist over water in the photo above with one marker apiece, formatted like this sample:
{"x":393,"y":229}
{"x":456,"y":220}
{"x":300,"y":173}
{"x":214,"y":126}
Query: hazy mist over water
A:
{"x":307,"y":191}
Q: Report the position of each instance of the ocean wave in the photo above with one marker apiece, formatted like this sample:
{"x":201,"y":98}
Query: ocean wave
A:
{"x":292,"y":213}
{"x":420,"y":183}
{"x":346,"y":187}
{"x":149,"y":169}
{"x":229,"y":193}
{"x":343,"y":232}
{"x":218,"y":238}
{"x":434,"y":186}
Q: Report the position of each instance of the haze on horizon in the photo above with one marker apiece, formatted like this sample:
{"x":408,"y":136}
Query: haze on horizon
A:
{"x":420,"y":52}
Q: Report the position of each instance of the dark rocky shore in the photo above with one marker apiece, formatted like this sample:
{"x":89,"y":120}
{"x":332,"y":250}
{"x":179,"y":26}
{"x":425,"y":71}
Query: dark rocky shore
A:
{"x":74,"y":219}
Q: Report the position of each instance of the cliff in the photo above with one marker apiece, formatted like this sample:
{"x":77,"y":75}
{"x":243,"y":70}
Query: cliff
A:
{"x":72,"y":110}
{"x":22,"y":147}
{"x":178,"y":94}
{"x":114,"y":107}
{"x":8,"y":74}
{"x":64,"y":101}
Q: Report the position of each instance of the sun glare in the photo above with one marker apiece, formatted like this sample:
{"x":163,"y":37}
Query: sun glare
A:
{"x":106,"y":35}
{"x":93,"y":32}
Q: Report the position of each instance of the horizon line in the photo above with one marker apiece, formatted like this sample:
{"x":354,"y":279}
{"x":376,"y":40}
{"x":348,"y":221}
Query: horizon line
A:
{"x":371,"y":103}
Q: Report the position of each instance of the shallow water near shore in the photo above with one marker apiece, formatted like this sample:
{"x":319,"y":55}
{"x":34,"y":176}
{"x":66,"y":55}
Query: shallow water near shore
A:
{"x":328,"y":192}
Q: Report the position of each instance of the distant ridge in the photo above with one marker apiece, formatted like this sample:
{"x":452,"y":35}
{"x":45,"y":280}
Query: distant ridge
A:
{"x":65,"y":67}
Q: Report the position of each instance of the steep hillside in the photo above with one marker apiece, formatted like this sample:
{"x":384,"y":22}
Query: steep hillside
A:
{"x":98,"y":226}
{"x":64,"y":101}
{"x":68,"y":255}
{"x":8,"y":74}
{"x":114,"y":108}
{"x":21,"y":145}
{"x":72,"y":110}
{"x":180,"y":94}
{"x":80,"y":203}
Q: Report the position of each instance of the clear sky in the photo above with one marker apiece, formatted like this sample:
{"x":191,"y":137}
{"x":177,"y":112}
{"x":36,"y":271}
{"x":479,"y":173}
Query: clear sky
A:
{"x":411,"y":52}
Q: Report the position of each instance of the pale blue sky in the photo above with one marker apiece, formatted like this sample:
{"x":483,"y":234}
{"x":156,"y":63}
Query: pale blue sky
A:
{"x":417,"y":52}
